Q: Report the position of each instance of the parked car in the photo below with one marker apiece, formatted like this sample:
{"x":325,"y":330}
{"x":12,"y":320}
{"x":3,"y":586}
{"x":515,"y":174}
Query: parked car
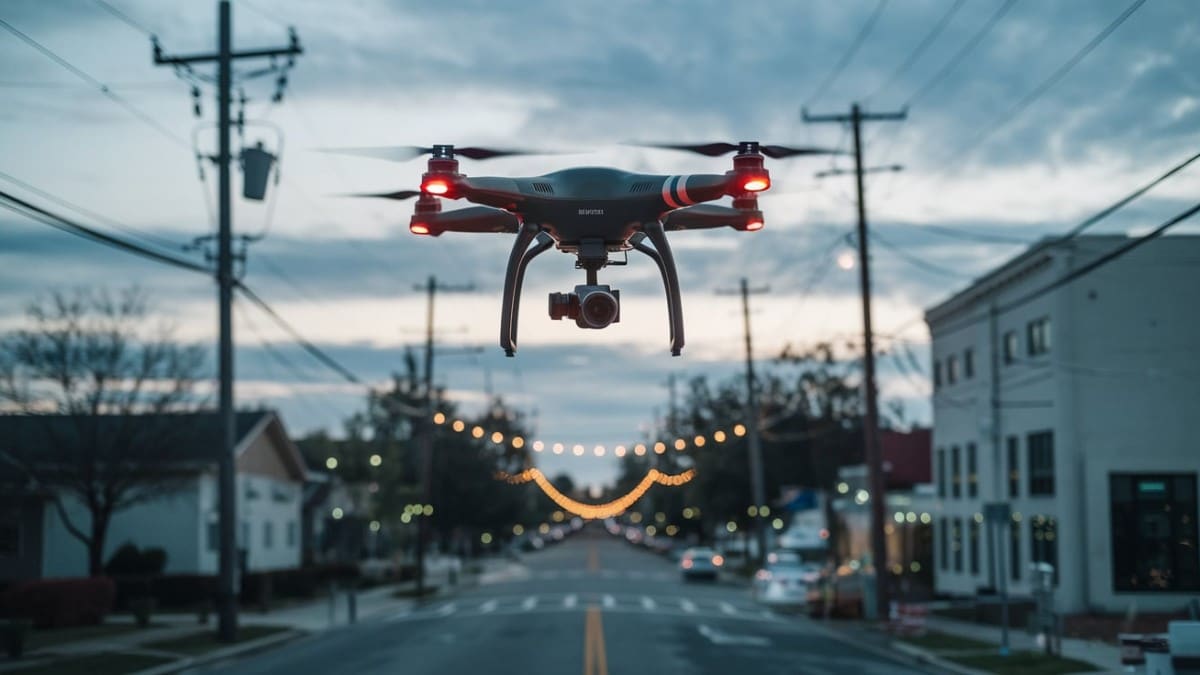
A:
{"x":700,"y":563}
{"x":785,"y":581}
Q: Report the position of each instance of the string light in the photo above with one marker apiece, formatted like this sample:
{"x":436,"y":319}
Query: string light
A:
{"x":477,"y":432}
{"x":538,"y":446}
{"x":518,"y":442}
{"x":619,"y":451}
{"x":577,"y":450}
{"x":719,"y":436}
{"x":599,"y":450}
{"x":599,"y":511}
{"x":458,"y":425}
{"x":558,"y":448}
{"x":739,"y":430}
{"x":439,"y":418}
{"x":660,"y":448}
{"x":639,"y":449}
{"x":680,"y":444}
{"x":699,"y":441}
{"x":497,"y":437}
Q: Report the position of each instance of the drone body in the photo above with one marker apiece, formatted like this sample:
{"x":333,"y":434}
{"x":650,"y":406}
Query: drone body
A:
{"x":590,"y":212}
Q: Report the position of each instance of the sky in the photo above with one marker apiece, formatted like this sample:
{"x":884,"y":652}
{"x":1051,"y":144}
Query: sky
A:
{"x":998,"y":151}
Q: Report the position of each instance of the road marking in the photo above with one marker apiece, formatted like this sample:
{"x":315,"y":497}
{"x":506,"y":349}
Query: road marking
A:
{"x":687,"y":606}
{"x":399,"y":616}
{"x":648,"y":603}
{"x":609,"y":601}
{"x":489,"y":606}
{"x":569,"y":601}
{"x":595,"y":657}
{"x":727,"y":608}
{"x":593,"y":563}
{"x":446,"y":609}
{"x":529,"y":603}
{"x":721,"y":638}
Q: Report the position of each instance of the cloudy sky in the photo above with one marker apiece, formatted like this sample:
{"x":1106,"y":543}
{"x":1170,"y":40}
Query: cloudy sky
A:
{"x":988,"y":153}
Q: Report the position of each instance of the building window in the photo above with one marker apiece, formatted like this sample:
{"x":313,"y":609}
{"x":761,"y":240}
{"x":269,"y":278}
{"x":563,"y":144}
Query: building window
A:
{"x":291,"y":534}
{"x":951,"y":369}
{"x":1014,"y":467}
{"x":212,"y":535}
{"x":955,"y":472}
{"x":944,"y":545}
{"x":972,"y":471}
{"x":1154,"y":534}
{"x":268,"y":534}
{"x":1038,"y":336}
{"x":969,"y":363}
{"x":937,"y":374}
{"x":941,"y":472}
{"x":10,"y":539}
{"x":1014,"y":548}
{"x":1011,"y":347}
{"x":1043,"y":533}
{"x":1041,"y":463}
{"x":973,"y":542}
{"x":957,"y":536}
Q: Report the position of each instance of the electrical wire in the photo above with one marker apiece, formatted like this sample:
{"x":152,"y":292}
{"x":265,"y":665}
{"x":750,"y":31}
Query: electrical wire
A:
{"x":104,"y":89}
{"x":1044,"y":86}
{"x":916,"y":262}
{"x":963,"y":52}
{"x":919,"y":50}
{"x":124,"y":18}
{"x":840,"y":66}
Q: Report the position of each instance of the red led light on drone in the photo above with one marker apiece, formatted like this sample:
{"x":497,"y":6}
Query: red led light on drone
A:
{"x":436,"y":187}
{"x":418,"y":228}
{"x":754,"y":225}
{"x":756,"y":184}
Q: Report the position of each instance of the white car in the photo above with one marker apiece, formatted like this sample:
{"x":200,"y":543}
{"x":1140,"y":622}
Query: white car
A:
{"x":785,"y":582}
{"x":700,"y":562}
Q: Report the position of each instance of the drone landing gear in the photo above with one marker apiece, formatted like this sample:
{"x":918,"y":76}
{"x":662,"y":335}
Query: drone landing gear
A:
{"x":661,"y":255}
{"x":514,"y":277}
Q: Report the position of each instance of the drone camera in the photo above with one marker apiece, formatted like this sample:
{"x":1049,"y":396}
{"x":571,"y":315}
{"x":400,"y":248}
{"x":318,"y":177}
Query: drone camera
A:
{"x":590,"y":306}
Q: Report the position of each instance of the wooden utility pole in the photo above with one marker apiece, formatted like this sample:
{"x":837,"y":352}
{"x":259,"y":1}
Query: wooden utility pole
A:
{"x":874,"y":459}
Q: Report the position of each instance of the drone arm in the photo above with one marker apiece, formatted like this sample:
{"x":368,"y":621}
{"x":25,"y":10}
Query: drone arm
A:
{"x":471,"y":219}
{"x":666,"y":265}
{"x":512,"y":282}
{"x":707,"y":216}
{"x":544,"y":242}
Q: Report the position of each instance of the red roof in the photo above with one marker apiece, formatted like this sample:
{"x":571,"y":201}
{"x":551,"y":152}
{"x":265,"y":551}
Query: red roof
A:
{"x":906,"y":457}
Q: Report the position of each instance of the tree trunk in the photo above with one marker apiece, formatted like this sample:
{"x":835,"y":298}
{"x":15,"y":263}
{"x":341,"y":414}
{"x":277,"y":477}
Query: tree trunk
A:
{"x":96,"y":543}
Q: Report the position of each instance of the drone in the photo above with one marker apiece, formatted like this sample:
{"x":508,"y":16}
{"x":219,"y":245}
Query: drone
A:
{"x":589,"y":212}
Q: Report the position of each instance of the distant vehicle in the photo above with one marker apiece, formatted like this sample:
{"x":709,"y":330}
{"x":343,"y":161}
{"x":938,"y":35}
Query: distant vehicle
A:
{"x":700,"y":563}
{"x":786,"y":580}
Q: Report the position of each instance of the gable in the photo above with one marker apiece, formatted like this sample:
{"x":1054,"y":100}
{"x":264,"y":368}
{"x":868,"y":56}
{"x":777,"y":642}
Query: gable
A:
{"x":270,"y":453}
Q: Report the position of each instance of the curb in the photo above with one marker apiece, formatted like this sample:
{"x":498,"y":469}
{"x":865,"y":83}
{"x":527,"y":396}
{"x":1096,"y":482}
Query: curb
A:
{"x":892,"y":652}
{"x":236,"y":651}
{"x":932,"y":659}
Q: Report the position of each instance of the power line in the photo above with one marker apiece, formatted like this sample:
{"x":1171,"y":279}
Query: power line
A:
{"x":919,"y":50}
{"x":849,"y":54}
{"x":124,"y":18}
{"x":18,"y":205}
{"x":965,"y":235}
{"x":919,"y":263}
{"x":1045,"y":85}
{"x":963,"y":52}
{"x":104,"y":89}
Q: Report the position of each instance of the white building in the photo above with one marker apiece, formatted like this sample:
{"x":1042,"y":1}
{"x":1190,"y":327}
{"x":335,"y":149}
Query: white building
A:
{"x":1079,"y":407}
{"x":34,"y":541}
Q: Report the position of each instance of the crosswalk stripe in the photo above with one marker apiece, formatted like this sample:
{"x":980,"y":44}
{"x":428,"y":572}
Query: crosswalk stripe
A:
{"x":489,"y":606}
{"x":687,"y":606}
{"x":569,"y":601}
{"x":648,"y":603}
{"x":529,"y":603}
{"x":446,"y":609}
{"x":727,"y":608}
{"x":609,"y":601}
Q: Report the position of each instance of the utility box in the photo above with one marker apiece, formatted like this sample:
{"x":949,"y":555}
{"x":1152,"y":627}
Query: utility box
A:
{"x":256,"y":170}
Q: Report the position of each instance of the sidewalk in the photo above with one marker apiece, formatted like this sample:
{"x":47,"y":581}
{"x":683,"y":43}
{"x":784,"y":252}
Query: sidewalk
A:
{"x":1104,"y":656}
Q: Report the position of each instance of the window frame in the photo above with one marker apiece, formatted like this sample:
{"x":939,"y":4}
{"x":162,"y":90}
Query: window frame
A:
{"x":956,"y":472}
{"x":1013,"y":448}
{"x":1037,"y":336}
{"x":951,"y":369}
{"x":1010,"y":347}
{"x":968,"y":363}
{"x":1130,"y":533}
{"x":973,"y":535}
{"x":972,"y":471}
{"x":1042,"y":474}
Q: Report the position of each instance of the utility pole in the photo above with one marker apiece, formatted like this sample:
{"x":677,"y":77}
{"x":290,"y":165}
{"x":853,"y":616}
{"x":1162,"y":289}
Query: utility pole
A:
{"x":875,"y":478}
{"x":426,"y":425}
{"x":753,"y":444}
{"x":227,"y":584}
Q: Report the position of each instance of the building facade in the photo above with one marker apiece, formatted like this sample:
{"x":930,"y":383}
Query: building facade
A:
{"x":1073,"y":404}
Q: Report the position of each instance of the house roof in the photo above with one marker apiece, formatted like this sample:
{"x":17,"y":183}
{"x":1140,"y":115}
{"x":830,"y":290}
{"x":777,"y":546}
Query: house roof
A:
{"x":178,"y":438}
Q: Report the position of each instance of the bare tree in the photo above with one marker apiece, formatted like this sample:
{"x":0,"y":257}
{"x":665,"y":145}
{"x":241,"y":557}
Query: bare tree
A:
{"x":96,"y":392}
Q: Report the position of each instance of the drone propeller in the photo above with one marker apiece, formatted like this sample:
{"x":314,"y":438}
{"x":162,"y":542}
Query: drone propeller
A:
{"x":399,"y":194}
{"x":403,"y":153}
{"x":718,"y":149}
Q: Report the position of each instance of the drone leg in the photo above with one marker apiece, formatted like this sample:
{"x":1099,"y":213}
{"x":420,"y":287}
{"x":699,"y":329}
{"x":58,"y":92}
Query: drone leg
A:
{"x":666,"y":264}
{"x":544,"y":242}
{"x":512,"y":281}
{"x":638,"y":243}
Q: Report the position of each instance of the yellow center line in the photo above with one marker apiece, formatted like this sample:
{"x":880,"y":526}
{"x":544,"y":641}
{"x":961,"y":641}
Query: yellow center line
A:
{"x":595,"y":657}
{"x":593,"y":559}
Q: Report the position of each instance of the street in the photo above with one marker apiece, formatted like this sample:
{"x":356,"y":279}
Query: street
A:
{"x":592,"y":604}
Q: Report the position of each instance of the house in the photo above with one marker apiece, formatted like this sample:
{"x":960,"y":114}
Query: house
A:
{"x":35,"y":542}
{"x":1072,"y":406}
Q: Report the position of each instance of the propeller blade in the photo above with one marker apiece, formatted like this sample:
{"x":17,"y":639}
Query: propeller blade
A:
{"x":489,"y":153}
{"x":392,"y":153}
{"x":399,"y":194}
{"x":706,"y":149}
{"x":782,"y":151}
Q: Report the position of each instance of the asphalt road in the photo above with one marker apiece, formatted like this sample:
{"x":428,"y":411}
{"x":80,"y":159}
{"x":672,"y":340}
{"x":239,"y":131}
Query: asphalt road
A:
{"x":592,"y":604}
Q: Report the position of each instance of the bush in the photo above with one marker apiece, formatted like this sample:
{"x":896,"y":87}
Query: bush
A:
{"x":60,"y":603}
{"x":130,"y":561}
{"x":184,"y":591}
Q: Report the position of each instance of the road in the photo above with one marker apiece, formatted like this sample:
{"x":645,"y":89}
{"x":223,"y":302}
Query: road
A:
{"x":592,"y":604}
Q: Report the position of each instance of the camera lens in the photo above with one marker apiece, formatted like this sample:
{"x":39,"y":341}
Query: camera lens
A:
{"x":599,"y":309}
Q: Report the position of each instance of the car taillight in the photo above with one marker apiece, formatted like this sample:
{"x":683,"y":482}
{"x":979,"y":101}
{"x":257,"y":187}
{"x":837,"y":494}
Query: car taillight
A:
{"x":718,"y":560}
{"x":687,"y":563}
{"x":763,"y":575}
